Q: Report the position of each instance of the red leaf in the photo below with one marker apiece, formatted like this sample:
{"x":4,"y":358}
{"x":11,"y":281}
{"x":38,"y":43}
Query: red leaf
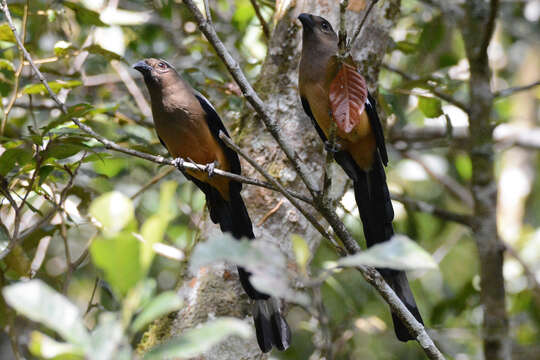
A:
{"x":348,"y":94}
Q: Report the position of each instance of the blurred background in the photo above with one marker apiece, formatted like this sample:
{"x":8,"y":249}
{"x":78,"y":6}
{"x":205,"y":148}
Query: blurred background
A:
{"x":85,"y":49}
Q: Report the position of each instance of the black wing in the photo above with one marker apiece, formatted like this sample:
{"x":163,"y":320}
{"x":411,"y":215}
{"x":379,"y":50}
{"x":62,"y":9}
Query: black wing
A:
{"x":376,"y":127}
{"x":215,"y":124}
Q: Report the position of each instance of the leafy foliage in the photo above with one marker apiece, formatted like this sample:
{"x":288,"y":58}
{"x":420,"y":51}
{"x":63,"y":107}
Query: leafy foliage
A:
{"x":82,"y":216}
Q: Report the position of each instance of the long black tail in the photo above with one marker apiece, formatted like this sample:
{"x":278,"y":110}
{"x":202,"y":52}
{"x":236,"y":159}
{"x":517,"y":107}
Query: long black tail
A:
{"x":232,"y":216}
{"x":375,"y":207}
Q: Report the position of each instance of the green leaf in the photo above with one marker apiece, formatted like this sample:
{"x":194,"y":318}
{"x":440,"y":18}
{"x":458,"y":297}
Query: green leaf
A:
{"x":63,"y":48}
{"x":107,"y":54}
{"x":6,"y":34}
{"x":301,"y":252}
{"x":83,"y":14}
{"x":113,"y":210}
{"x":110,"y":167}
{"x":432,"y":34}
{"x":266,"y":263}
{"x":154,"y":227}
{"x":45,"y":347}
{"x":56,"y":86}
{"x":161,"y":305}
{"x":62,"y":150}
{"x":106,"y":338}
{"x":430,"y":106}
{"x":464,"y":166}
{"x":243,"y":14}
{"x":40,"y":303}
{"x":196,"y":341}
{"x":14,"y":157}
{"x":7,"y":73}
{"x":44,"y":171}
{"x":119,"y":258}
{"x":406,"y":47}
{"x":399,"y":253}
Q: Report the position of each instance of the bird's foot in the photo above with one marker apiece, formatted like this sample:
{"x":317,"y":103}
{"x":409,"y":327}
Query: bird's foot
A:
{"x":209,"y":168}
{"x":332,"y":147}
{"x":179,"y":163}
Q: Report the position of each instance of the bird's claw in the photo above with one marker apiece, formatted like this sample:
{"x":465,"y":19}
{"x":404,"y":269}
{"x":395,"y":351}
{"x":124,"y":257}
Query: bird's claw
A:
{"x":332,"y":147}
{"x":179,"y":163}
{"x":209,"y":168}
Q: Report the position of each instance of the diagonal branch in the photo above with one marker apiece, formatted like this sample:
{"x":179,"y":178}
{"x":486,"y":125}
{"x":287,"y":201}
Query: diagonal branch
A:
{"x":513,"y":90}
{"x":324,"y":206}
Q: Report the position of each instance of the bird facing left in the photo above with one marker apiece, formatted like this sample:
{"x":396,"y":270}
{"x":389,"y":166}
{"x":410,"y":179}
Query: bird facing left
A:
{"x":188,"y":126}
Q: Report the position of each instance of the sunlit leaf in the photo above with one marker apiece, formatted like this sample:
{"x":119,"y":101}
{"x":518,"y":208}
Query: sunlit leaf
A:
{"x":40,"y":303}
{"x":6,"y":34}
{"x":98,"y":50}
{"x":348,"y":94}
{"x":106,"y":337}
{"x":430,"y":106}
{"x":161,"y":305}
{"x":301,"y":251}
{"x":55,"y":86}
{"x":266,"y":263}
{"x":196,"y":341}
{"x":45,"y":347}
{"x":113,"y":210}
{"x":399,"y":253}
{"x":119,"y":258}
{"x":83,"y":14}
{"x":63,"y":48}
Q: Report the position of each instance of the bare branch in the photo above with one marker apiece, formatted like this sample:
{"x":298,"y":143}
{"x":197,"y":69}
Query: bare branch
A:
{"x":514,"y":90}
{"x":422,"y":206}
{"x":434,"y":89}
{"x":280,"y":188}
{"x":264,"y":24}
{"x":361,"y":25}
{"x":324,"y":206}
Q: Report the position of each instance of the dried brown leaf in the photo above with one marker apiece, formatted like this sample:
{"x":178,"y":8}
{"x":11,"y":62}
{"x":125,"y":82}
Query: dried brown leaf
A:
{"x":348,"y":94}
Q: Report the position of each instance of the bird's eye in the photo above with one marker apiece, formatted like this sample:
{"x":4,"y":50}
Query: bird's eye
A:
{"x":325,"y":26}
{"x":161,"y":65}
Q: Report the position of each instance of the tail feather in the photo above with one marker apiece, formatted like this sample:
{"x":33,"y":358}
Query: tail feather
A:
{"x":232,"y":216}
{"x":375,"y":207}
{"x":270,"y":325}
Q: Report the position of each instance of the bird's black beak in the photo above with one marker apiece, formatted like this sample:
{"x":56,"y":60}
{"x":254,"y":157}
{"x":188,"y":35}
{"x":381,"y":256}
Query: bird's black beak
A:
{"x":142,"y":67}
{"x":306,"y":20}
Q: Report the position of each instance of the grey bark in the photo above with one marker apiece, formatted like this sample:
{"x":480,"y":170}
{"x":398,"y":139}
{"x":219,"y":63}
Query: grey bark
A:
{"x":215,"y":291}
{"x":479,"y":23}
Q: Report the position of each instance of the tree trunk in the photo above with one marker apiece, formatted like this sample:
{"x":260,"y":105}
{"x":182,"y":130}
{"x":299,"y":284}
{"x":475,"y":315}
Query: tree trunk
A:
{"x":479,"y":24}
{"x":215,"y":291}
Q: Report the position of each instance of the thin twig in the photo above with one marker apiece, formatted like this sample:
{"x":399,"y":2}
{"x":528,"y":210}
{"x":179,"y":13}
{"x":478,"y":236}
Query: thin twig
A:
{"x":449,"y":183}
{"x":264,"y":24}
{"x":422,"y":206}
{"x":323,"y":205}
{"x":361,"y":25}
{"x":90,"y":305}
{"x":18,"y":73}
{"x":251,"y":96}
{"x":513,"y":90}
{"x":280,"y":188}
{"x":434,"y":89}
{"x":108,"y":144}
{"x":153,"y":181}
